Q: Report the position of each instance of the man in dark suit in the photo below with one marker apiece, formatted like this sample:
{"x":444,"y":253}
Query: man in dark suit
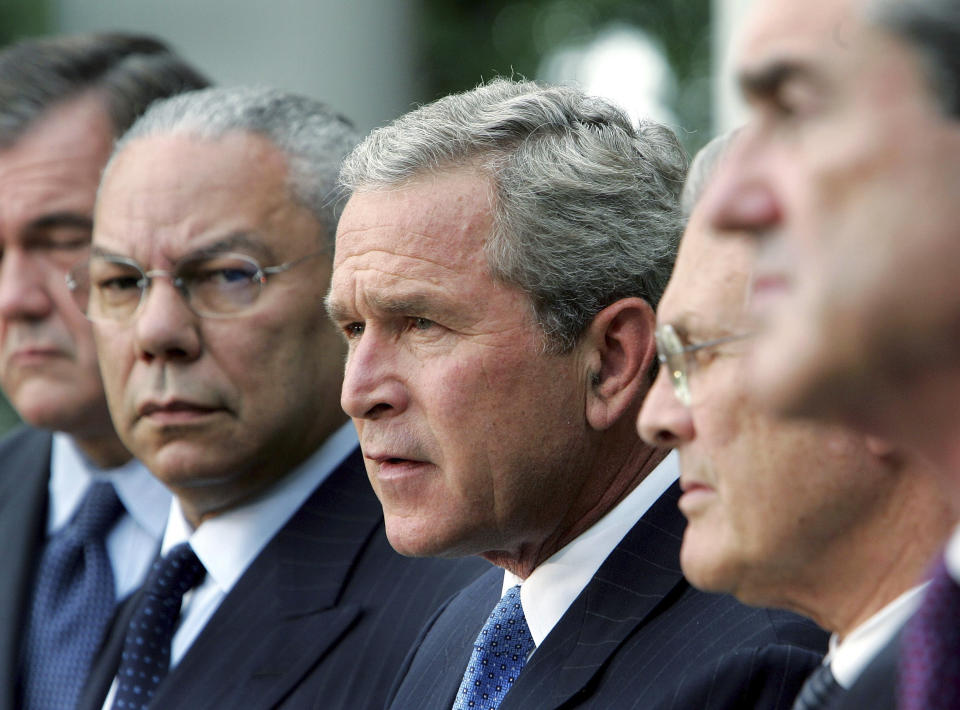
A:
{"x":833,"y":524}
{"x":847,"y":176}
{"x":210,"y":260}
{"x":496,"y":270}
{"x":63,"y":100}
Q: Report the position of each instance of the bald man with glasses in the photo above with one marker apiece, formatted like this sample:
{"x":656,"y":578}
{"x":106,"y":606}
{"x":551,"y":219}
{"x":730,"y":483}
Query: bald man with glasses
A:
{"x":211,"y":257}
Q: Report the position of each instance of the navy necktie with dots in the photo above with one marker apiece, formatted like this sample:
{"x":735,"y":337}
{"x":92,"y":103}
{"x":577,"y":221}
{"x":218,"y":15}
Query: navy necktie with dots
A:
{"x":73,"y":604}
{"x":499,"y":654}
{"x":146,"y":648}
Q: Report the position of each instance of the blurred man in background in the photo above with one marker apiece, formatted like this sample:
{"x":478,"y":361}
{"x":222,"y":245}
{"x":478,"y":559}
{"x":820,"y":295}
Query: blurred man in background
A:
{"x":496,"y":270}
{"x":848,"y":175}
{"x":81,"y":521}
{"x":818,"y":519}
{"x":211,"y":257}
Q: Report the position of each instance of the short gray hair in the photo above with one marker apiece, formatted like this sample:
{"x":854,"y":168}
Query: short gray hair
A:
{"x":586,"y":205}
{"x":312,"y":137}
{"x":130,"y":70}
{"x":702,"y":168}
{"x":933,"y":28}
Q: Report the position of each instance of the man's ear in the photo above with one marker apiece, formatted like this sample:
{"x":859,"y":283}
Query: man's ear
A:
{"x":619,"y":350}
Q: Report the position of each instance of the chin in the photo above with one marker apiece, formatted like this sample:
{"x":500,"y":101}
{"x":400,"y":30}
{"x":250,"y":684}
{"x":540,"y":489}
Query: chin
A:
{"x":705,"y":567}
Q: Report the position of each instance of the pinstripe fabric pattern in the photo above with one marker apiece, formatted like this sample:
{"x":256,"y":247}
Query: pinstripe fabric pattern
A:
{"x":321,"y":619}
{"x":24,"y":473}
{"x":637,"y":637}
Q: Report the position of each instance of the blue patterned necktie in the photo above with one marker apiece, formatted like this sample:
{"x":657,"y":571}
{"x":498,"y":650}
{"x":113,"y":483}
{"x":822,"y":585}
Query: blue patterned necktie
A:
{"x":146,"y":648}
{"x":819,"y":691}
{"x":73,"y":603}
{"x":499,"y":654}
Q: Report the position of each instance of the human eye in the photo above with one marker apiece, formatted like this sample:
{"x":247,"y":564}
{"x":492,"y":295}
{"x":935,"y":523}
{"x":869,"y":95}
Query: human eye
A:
{"x":353,"y":330}
{"x":115,"y":283}
{"x":220,"y":272}
{"x":418,"y":323}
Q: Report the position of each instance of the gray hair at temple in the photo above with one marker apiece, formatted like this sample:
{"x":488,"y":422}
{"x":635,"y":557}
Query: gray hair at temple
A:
{"x":702,"y":168}
{"x":933,"y":28}
{"x":586,"y":205}
{"x":311,"y":136}
{"x":131,"y":71}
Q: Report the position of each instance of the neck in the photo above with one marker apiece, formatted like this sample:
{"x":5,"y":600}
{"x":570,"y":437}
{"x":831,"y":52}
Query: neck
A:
{"x":634,"y":466}
{"x":105,"y":450}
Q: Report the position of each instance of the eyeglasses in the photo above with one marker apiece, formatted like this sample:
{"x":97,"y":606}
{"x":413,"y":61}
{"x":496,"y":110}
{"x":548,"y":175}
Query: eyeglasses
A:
{"x":673,"y":354}
{"x":110,"y":289}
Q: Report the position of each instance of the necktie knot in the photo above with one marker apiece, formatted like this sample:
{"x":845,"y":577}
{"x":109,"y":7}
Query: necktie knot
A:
{"x":499,"y":654}
{"x":818,"y":691}
{"x":146,"y":649}
{"x":97,"y":513}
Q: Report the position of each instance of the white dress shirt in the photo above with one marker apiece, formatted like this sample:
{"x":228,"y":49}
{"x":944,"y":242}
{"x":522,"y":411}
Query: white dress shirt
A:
{"x":228,"y":543}
{"x":554,"y":585}
{"x":849,"y":657}
{"x":133,"y":542}
{"x":952,"y":555}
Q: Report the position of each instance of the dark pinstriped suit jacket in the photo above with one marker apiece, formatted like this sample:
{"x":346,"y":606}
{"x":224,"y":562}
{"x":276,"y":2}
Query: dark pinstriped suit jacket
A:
{"x":24,"y":473}
{"x":638,"y":636}
{"x":321,"y":619}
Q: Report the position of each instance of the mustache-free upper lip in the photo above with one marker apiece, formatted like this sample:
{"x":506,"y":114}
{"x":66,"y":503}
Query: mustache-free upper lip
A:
{"x":172,"y":405}
{"x":687,"y":483}
{"x":381,"y":456}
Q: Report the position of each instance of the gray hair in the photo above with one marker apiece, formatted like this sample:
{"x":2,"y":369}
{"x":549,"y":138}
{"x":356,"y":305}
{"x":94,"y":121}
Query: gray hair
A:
{"x":313,"y":138}
{"x":933,"y":28}
{"x":702,"y":168}
{"x":586,"y":205}
{"x":131,"y":71}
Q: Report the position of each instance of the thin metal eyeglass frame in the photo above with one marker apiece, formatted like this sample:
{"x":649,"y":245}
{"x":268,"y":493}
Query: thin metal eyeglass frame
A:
{"x":679,"y":375}
{"x":177,"y":282}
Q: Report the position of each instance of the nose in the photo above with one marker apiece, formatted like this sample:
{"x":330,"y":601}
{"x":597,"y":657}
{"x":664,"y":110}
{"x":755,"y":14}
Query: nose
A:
{"x":372,"y":387}
{"x":24,"y":284}
{"x":164,"y":326}
{"x":663,"y":420}
{"x":741,"y":196}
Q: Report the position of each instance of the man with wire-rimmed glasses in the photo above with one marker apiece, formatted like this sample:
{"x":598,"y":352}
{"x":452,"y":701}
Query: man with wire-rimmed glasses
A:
{"x":813,"y":518}
{"x":211,"y":256}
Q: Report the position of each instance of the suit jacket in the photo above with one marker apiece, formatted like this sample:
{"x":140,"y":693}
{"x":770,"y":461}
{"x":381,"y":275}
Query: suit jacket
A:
{"x":876,"y":688}
{"x":322,"y":618}
{"x":638,"y":636}
{"x":24,"y":474}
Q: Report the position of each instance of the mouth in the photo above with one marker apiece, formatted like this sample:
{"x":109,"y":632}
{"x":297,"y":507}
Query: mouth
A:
{"x":695,"y":496}
{"x":35,"y":354}
{"x":391,"y":468}
{"x":175,"y":412}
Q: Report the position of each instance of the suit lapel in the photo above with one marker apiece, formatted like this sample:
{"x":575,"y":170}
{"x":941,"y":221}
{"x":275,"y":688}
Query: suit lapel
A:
{"x":639,"y":575}
{"x":23,"y":513}
{"x":282,"y":616}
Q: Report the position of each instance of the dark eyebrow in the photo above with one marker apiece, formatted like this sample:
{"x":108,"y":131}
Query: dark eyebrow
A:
{"x":401,"y":305}
{"x":61,"y":219}
{"x":766,"y":81}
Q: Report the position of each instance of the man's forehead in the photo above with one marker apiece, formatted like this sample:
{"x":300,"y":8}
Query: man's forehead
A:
{"x":785,"y":30}
{"x":709,"y":284}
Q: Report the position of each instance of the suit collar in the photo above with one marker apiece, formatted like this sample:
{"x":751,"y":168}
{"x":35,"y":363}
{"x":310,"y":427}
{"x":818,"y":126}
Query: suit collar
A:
{"x":25,"y":460}
{"x":283,"y":614}
{"x":640,"y":575}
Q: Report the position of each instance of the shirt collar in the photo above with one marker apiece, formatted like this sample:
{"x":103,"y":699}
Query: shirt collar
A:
{"x":71,"y":473}
{"x":849,"y":657}
{"x":553,"y":586}
{"x":227,"y":543}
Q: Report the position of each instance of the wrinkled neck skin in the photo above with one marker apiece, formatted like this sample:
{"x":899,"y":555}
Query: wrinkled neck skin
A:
{"x":635,"y":462}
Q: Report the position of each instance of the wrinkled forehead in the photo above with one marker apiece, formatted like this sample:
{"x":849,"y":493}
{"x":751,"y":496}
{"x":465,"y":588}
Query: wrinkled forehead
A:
{"x":783,"y":30}
{"x":709,"y":285}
